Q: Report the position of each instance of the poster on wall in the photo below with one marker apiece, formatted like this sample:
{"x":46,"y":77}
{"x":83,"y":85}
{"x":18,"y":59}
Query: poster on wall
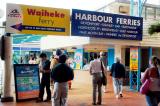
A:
{"x":27,"y":83}
{"x":106,"y":25}
{"x":134,"y":59}
{"x":28,"y":19}
{"x":78,"y":59}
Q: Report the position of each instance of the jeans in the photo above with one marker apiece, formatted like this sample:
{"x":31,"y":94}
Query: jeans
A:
{"x":153,"y":98}
{"x":60,"y":94}
{"x":45,"y":82}
{"x":117,"y":85}
{"x":97,"y":82}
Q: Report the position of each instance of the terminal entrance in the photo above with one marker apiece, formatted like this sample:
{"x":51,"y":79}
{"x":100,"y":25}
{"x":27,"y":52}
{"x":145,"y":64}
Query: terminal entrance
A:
{"x":82,"y":55}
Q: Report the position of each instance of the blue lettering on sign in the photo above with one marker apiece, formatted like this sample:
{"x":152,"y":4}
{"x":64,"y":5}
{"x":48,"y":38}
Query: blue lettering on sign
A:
{"x":106,"y":25}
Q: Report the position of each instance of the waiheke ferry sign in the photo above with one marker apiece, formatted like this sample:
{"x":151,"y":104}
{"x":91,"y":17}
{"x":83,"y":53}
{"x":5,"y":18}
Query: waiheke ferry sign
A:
{"x":37,"y":20}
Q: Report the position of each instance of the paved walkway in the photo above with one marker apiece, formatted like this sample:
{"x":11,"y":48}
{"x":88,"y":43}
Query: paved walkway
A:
{"x":81,"y":95}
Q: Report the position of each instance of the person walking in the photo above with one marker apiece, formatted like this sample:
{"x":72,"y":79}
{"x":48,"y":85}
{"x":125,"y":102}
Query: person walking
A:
{"x":103,"y":60}
{"x":118,"y":73}
{"x":69,"y":62}
{"x":45,"y":80}
{"x":61,"y":74}
{"x":96,"y":72}
{"x":54,"y":60}
{"x":152,"y":73}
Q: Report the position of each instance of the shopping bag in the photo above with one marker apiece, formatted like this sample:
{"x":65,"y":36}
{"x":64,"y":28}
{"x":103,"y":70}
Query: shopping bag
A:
{"x":104,"y":81}
{"x":145,"y":86}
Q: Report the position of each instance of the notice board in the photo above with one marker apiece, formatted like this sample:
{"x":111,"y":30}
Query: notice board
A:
{"x":134,"y":59}
{"x":27,"y":83}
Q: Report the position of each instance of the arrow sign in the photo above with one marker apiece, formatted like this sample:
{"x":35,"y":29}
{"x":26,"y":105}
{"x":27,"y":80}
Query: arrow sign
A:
{"x":21,"y":27}
{"x":18,"y":26}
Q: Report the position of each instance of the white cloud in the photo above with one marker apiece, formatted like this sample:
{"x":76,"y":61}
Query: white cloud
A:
{"x":68,"y":4}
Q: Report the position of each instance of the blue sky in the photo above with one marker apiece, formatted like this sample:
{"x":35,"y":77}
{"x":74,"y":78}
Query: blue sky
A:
{"x":68,"y":4}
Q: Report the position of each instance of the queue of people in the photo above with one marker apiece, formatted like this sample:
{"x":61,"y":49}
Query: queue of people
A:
{"x":56,"y":71}
{"x":60,"y":72}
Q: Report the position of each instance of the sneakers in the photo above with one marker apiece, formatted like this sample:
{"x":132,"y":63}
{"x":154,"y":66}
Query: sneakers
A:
{"x":39,"y":100}
{"x":93,"y":103}
{"x":117,"y":96}
{"x":47,"y":100}
{"x":98,"y":103}
{"x":104,"y":91}
{"x":121,"y":95}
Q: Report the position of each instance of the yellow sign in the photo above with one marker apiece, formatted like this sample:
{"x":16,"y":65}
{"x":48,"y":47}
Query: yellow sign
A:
{"x":134,"y":59}
{"x":37,"y":20}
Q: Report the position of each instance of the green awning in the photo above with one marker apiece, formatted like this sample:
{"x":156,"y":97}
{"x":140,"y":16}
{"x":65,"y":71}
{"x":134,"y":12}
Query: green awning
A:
{"x":25,"y":38}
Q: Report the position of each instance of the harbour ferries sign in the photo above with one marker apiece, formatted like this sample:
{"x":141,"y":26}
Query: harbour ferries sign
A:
{"x":106,"y":25}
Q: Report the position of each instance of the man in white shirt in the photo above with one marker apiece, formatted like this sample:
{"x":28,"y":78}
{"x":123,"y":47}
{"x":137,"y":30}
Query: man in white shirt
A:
{"x":96,"y":72}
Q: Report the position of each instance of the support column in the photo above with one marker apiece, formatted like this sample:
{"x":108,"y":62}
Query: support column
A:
{"x":135,"y":68}
{"x":111,"y":53}
{"x":139,"y":69}
{"x":132,"y":7}
{"x":120,"y":53}
{"x":150,"y":54}
{"x":7,"y":96}
{"x":139,"y":8}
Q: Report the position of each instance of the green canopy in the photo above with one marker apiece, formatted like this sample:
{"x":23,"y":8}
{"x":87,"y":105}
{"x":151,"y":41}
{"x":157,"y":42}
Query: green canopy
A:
{"x":25,"y":38}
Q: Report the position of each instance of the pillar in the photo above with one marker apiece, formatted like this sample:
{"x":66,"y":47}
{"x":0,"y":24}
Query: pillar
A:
{"x":150,"y":54}
{"x":135,"y":68}
{"x":139,"y":69}
{"x":132,"y":7}
{"x":110,"y":58}
{"x":6,"y":97}
{"x":139,"y":8}
{"x":120,"y":53}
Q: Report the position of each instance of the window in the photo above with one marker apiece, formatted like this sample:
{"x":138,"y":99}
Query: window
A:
{"x":144,"y":13}
{"x":158,"y":13}
{"x":124,"y":9}
{"x":150,"y":13}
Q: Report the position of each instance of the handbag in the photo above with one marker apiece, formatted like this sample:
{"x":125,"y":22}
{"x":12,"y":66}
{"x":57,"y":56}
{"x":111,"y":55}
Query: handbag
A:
{"x":104,"y":81}
{"x":145,"y":86}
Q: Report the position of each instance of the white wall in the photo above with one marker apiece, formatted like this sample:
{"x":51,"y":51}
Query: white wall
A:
{"x":53,"y":42}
